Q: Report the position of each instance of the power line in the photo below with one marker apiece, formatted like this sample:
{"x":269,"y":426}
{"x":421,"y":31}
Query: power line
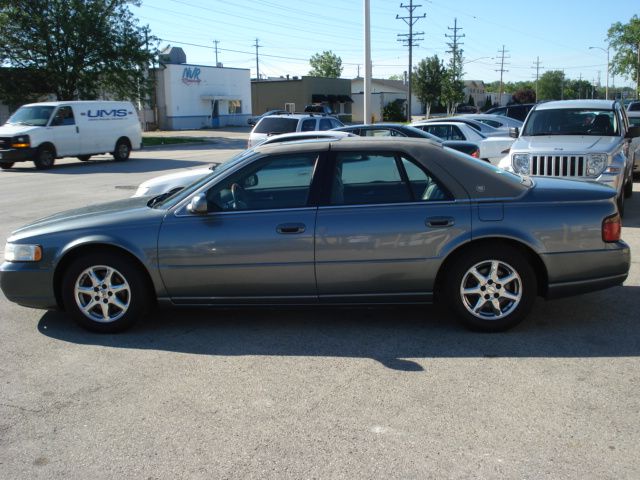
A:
{"x":409,"y":41}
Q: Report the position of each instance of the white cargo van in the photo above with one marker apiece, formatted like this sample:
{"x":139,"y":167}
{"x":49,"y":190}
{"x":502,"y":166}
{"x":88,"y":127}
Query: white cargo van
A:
{"x":42,"y":132}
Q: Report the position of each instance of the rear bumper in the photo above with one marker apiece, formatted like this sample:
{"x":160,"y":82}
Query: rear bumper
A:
{"x":574,"y":273}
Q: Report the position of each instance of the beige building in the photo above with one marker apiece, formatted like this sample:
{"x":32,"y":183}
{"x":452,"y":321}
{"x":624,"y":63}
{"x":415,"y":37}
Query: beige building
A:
{"x":294,"y":93}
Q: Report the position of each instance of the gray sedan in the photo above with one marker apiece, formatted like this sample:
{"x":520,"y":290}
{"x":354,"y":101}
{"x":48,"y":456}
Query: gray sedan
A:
{"x":351,"y":221}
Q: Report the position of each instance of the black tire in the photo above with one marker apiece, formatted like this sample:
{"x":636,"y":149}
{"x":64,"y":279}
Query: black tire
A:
{"x":123,"y":293}
{"x":6,"y":165}
{"x":515,"y":298}
{"x":122,"y":150}
{"x":45,"y":158}
{"x":620,"y":202}
{"x":84,"y":158}
{"x":628,"y":187}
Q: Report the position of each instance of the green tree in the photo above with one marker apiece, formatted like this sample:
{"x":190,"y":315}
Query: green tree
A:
{"x":83,"y":47}
{"x":452,"y":91}
{"x":624,"y":38}
{"x":550,"y":85}
{"x":427,"y":80}
{"x":396,"y":77}
{"x":524,"y":95}
{"x":326,"y":64}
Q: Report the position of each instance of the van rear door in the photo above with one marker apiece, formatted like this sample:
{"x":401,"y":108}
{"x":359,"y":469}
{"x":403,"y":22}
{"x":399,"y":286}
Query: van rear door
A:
{"x":66,"y":134}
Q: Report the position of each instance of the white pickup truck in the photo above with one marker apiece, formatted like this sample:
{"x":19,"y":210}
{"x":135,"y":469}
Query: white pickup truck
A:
{"x":580,"y":139}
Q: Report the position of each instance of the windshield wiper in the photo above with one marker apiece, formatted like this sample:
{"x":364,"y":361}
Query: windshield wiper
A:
{"x":163,"y":196}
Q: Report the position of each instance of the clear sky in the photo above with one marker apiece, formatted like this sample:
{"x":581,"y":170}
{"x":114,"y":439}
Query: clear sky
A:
{"x":289,"y":32}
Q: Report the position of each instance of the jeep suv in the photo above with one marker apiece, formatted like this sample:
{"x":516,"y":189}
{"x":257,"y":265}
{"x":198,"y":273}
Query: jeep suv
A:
{"x":579,"y":139}
{"x":278,"y":124}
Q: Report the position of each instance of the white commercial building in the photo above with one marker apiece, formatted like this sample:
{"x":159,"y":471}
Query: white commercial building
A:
{"x":197,"y":96}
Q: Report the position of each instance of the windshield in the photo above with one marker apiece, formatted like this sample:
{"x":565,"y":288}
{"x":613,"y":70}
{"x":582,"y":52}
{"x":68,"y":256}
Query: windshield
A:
{"x":572,"y":121}
{"x":36,"y":116}
{"x":165,"y":199}
{"x":276,"y":125}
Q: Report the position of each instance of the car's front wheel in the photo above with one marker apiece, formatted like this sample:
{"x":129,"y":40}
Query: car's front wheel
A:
{"x":490,"y":289}
{"x":45,"y":158}
{"x":6,"y":165}
{"x":104,"y":292}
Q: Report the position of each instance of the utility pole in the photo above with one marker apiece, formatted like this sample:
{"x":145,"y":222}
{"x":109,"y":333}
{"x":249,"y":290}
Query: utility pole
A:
{"x":537,"y":66}
{"x":638,"y":74}
{"x":562,"y":85}
{"x":257,"y":63}
{"x":367,"y":62}
{"x":215,"y":43}
{"x":455,"y":48}
{"x":502,"y":71}
{"x":580,"y":86}
{"x":409,"y":39}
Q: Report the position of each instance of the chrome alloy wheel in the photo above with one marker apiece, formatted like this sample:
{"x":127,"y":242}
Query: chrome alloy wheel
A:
{"x":491,"y":289}
{"x":102,"y":294}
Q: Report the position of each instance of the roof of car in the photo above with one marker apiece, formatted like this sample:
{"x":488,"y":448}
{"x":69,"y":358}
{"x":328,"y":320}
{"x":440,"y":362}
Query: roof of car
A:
{"x":595,"y":104}
{"x":299,"y":115}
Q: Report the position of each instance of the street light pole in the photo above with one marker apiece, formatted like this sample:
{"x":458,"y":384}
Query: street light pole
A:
{"x":606,"y":91}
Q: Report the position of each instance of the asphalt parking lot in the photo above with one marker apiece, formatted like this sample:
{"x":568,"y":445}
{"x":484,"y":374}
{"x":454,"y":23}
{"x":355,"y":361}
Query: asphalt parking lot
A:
{"x":310,"y":393}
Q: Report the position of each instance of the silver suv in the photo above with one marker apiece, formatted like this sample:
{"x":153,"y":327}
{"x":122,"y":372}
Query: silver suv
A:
{"x":287,"y":123}
{"x":580,"y":139}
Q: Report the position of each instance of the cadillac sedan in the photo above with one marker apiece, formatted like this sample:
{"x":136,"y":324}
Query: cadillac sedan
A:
{"x":348,"y":221}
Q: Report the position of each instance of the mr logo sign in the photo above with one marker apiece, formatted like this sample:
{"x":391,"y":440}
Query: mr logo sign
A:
{"x":191,"y":75}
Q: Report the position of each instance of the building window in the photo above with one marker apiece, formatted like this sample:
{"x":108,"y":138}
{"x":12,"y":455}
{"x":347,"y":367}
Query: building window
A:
{"x":235,"y":106}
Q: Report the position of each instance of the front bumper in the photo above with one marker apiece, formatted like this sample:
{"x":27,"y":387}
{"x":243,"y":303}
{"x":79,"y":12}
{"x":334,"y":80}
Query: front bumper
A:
{"x":27,"y":285}
{"x":11,"y":155}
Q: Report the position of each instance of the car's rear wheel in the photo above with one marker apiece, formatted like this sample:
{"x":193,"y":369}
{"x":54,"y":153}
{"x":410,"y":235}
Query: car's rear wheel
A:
{"x":104,"y":292}
{"x":45,"y":158}
{"x":6,"y":165}
{"x":490,"y":289}
{"x":122,"y":150}
{"x":84,"y":158}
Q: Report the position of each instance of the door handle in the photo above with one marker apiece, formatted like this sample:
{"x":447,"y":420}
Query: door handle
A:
{"x":288,"y":228}
{"x":436,"y":222}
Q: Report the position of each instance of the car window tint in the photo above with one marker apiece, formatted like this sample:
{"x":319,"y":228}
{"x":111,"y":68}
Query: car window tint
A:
{"x":634,"y":121}
{"x":325,"y":124}
{"x":308,"y":125}
{"x":367,"y":179}
{"x":64,"y":116}
{"x":634,"y":107}
{"x":270,"y":183}
{"x":456,"y":133}
{"x":335,"y":123}
{"x":378,"y":132}
{"x":491,"y":123}
{"x":276,"y":125}
{"x":441,"y":131}
{"x":423,"y":185}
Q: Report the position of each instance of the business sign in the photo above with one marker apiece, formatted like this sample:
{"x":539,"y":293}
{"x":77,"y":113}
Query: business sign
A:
{"x":102,"y":114}
{"x":191,"y":75}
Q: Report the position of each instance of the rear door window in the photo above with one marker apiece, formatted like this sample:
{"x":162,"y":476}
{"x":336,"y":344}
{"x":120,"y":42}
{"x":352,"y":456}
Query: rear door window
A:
{"x":308,"y":125}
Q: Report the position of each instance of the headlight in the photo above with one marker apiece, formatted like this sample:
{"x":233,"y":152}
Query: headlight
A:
{"x":596,"y":163}
{"x":521,"y":163}
{"x":21,"y":141}
{"x":15,"y":252}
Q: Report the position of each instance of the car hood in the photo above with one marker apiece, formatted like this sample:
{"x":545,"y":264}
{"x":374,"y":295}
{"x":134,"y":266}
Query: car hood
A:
{"x":11,"y":130}
{"x":566,"y":143}
{"x":164,"y":183}
{"x":551,"y":189}
{"x":101,"y":217}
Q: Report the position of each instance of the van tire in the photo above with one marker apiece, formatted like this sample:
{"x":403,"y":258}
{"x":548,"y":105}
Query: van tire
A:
{"x":45,"y":157}
{"x":84,"y":158}
{"x":6,"y":165}
{"x":122,"y":150}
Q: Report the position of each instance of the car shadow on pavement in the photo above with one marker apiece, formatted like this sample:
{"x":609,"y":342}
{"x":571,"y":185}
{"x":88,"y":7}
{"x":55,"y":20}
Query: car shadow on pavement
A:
{"x":601,"y":324}
{"x":103,"y":165}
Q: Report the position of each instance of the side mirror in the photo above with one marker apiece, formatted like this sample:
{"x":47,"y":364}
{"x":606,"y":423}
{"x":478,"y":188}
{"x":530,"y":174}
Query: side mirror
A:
{"x":633,"y":132}
{"x":198,"y":204}
{"x":514,"y":132}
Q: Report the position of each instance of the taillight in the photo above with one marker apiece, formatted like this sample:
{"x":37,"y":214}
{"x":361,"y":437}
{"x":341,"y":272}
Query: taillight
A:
{"x":611,"y":228}
{"x":475,"y":154}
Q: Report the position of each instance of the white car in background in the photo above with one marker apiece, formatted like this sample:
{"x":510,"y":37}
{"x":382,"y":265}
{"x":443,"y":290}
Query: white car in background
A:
{"x":450,"y":130}
{"x":289,"y":123}
{"x":172,"y":182}
{"x":496,"y":121}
